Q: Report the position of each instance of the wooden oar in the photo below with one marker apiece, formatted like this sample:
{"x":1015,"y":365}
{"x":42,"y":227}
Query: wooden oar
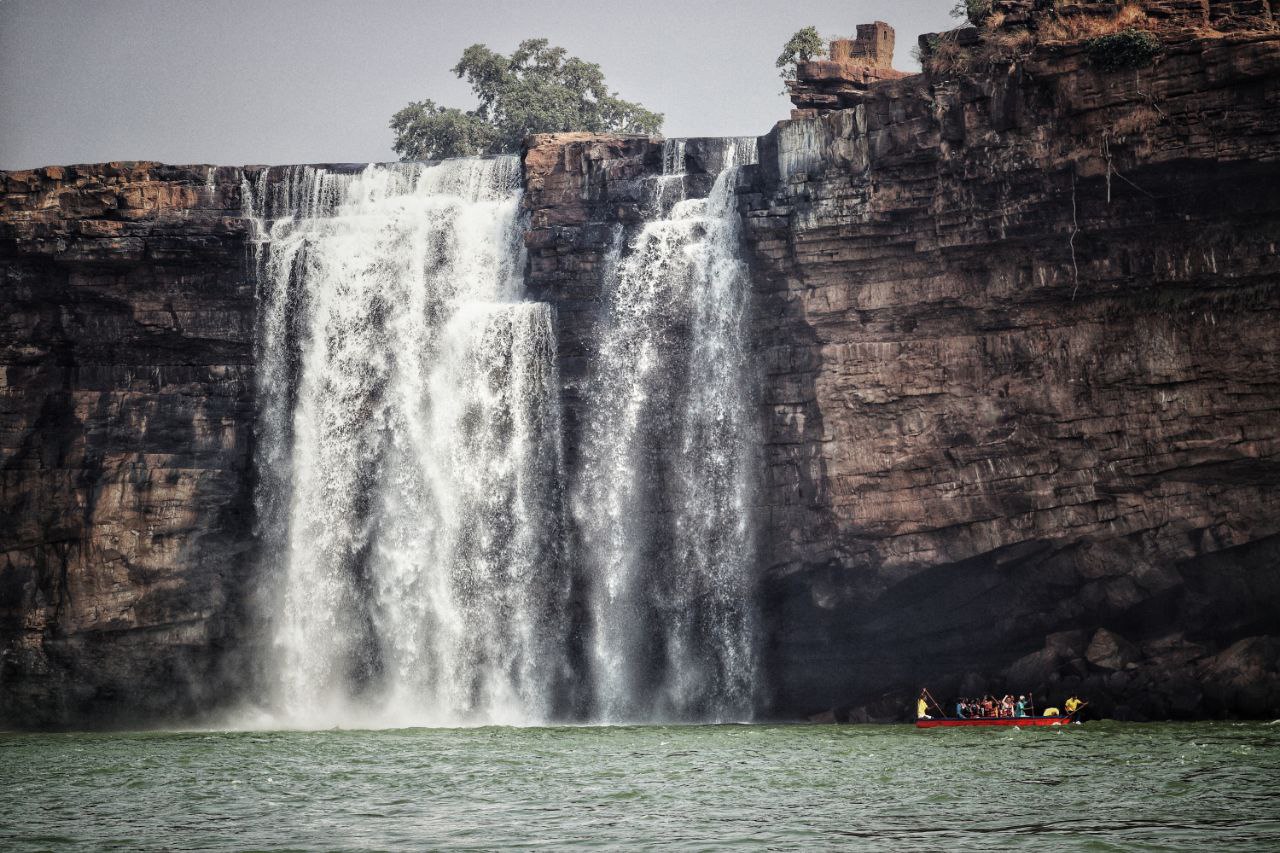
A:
{"x":934,"y":701}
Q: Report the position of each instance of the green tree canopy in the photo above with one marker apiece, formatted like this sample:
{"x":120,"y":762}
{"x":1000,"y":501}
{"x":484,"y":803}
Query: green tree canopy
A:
{"x":537,"y":89}
{"x":801,"y":47}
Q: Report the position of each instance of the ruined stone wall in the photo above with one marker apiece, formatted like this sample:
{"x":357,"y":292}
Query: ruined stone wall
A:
{"x":852,"y":66}
{"x":873,"y":47}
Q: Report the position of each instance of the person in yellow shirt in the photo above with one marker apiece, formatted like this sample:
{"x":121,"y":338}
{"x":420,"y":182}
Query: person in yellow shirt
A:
{"x":1072,"y":705}
{"x":922,"y":709}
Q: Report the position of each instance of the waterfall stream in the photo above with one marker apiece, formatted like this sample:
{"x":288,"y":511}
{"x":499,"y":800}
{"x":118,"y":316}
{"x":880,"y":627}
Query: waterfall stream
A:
{"x":408,"y":449}
{"x":427,"y":558}
{"x":664,"y":498}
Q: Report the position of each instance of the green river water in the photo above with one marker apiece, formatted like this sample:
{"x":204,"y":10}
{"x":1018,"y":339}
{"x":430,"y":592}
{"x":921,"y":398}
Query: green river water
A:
{"x":1100,"y":786}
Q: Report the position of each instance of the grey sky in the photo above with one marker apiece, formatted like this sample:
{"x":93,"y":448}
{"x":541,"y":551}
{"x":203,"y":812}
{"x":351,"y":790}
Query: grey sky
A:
{"x":304,"y":81}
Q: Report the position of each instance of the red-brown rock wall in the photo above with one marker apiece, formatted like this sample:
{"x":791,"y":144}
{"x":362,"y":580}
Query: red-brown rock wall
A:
{"x":1021,"y":333}
{"x":126,"y":418}
{"x":582,"y":191}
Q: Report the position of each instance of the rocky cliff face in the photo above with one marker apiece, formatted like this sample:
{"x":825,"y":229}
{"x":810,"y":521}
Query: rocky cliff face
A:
{"x":1020,"y":327}
{"x":1017,"y":328}
{"x":582,"y":191}
{"x":1018,"y":331}
{"x":1218,"y":14}
{"x":126,"y":413}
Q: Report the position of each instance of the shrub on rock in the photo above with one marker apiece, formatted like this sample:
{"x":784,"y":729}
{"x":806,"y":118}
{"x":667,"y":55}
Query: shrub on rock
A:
{"x":1129,"y":48}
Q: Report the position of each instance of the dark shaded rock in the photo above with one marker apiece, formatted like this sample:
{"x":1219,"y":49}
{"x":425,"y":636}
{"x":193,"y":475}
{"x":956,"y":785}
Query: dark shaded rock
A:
{"x":1108,"y":650}
{"x":1243,"y":678}
{"x":126,"y":419}
{"x":1035,"y":668}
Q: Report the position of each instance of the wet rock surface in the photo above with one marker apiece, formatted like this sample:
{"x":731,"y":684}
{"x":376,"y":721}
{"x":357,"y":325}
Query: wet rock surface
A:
{"x":583,"y":193}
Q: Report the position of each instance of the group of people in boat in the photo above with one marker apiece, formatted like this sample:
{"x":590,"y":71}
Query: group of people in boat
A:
{"x":989,"y":707}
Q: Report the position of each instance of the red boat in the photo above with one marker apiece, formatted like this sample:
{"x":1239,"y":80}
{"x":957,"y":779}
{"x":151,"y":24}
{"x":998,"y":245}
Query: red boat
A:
{"x":953,"y":722}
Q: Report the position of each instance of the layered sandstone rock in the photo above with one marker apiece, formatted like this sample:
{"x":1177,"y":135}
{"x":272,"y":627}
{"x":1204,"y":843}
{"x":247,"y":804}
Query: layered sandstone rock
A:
{"x":126,"y":413}
{"x":1020,"y":330}
{"x":582,"y":192}
{"x":1022,"y":378}
{"x":587,"y":195}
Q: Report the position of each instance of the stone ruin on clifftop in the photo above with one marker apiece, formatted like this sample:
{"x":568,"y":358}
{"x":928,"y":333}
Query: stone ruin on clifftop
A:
{"x":839,"y":81}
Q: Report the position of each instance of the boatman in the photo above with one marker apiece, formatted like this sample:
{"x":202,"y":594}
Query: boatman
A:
{"x":922,"y":708}
{"x":1072,"y":705}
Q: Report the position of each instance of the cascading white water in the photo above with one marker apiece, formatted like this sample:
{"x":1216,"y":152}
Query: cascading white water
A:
{"x":663,"y":499}
{"x":409,"y":450}
{"x":410,"y":471}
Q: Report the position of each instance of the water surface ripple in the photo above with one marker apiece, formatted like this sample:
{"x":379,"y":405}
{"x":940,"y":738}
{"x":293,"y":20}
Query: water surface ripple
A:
{"x":1102,"y":786}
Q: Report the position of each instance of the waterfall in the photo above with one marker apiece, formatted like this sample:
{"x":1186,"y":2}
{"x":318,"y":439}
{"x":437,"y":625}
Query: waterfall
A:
{"x":408,"y":455}
{"x":663,"y":500}
{"x":427,"y":558}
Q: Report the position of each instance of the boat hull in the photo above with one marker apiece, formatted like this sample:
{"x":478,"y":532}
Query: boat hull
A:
{"x":1020,"y":722}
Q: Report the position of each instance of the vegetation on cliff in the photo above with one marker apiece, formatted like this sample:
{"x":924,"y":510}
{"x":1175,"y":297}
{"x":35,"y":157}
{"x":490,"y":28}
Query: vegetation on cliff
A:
{"x":804,"y":45}
{"x":1129,"y":48}
{"x":1116,"y":38}
{"x":973,"y":11}
{"x":539,"y":88}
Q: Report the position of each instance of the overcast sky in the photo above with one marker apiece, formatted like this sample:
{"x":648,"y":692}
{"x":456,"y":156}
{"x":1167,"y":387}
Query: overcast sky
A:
{"x":236,"y":82}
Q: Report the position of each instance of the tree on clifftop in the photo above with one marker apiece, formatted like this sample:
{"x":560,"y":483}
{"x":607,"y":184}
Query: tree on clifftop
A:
{"x":804,"y":45}
{"x":537,"y":89}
